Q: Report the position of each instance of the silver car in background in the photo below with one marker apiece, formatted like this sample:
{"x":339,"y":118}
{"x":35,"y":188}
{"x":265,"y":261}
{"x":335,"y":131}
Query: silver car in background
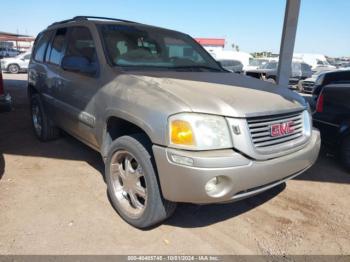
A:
{"x":17,"y":64}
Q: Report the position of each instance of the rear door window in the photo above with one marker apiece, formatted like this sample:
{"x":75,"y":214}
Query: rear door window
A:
{"x":55,"y":51}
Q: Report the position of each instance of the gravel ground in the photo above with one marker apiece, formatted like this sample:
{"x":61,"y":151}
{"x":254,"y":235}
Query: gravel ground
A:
{"x":53,"y":201}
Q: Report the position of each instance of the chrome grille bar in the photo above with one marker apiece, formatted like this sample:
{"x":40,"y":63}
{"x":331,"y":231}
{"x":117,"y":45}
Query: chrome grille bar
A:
{"x":260,"y":129}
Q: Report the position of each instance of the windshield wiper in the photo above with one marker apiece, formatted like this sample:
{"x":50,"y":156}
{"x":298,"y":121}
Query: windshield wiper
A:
{"x":197,"y":67}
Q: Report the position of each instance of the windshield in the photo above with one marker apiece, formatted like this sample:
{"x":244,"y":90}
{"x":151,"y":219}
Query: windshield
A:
{"x":272,"y":65}
{"x":257,"y":62}
{"x":147,"y":48}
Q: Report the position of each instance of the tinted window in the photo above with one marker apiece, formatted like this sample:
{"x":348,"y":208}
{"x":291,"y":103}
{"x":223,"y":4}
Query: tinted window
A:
{"x":337,"y":77}
{"x":56,"y":47}
{"x":27,"y":57}
{"x":270,"y":66}
{"x":305,"y":67}
{"x":230,"y":63}
{"x":80,"y":43}
{"x":40,"y":46}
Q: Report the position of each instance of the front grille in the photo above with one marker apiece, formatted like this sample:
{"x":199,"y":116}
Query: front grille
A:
{"x":260,"y":129}
{"x":293,"y":82}
{"x":308,"y":86}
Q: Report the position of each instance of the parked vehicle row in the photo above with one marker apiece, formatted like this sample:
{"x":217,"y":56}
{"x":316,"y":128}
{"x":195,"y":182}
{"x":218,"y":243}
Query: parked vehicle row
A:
{"x":314,"y":84}
{"x":170,"y":123}
{"x":8,"y":52}
{"x":268,"y":72}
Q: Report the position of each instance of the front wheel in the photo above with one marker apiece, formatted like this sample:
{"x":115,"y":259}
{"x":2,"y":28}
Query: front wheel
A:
{"x":133,"y":185}
{"x":13,"y":69}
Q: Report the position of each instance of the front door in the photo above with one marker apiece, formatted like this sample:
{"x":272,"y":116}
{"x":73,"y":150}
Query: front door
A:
{"x":74,"y":91}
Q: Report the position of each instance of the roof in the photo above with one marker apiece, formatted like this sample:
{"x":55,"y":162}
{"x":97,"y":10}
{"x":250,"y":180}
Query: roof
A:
{"x":211,"y":41}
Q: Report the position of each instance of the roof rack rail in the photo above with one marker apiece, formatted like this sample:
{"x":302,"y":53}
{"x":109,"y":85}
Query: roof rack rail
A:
{"x":102,"y":18}
{"x":79,"y":18}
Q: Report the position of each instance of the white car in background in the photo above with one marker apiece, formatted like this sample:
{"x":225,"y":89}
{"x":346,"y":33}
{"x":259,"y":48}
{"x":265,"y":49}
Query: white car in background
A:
{"x":17,"y":64}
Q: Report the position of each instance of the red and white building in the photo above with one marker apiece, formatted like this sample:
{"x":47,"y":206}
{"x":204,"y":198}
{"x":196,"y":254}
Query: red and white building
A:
{"x":16,"y":41}
{"x":212,"y":45}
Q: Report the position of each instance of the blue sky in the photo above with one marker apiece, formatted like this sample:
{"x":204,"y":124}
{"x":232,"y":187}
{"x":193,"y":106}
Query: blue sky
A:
{"x":255,"y":25}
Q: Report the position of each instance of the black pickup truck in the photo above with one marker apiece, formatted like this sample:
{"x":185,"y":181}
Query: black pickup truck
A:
{"x":332,"y":117}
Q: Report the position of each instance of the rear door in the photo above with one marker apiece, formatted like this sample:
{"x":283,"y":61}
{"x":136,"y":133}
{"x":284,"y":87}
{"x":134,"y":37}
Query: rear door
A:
{"x":53,"y":58}
{"x":37,"y":72}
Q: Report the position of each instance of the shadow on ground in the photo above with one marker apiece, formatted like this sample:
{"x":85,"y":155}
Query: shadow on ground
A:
{"x":193,"y":216}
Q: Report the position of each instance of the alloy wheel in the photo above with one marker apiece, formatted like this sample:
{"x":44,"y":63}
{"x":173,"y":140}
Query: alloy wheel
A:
{"x":129,"y":184}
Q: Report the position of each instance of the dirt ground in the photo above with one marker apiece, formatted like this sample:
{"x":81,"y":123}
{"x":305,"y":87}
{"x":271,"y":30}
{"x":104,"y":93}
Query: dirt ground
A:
{"x":53,"y":201}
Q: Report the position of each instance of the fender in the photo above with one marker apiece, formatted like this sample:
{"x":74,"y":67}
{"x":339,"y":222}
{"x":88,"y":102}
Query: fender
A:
{"x":105,"y":141}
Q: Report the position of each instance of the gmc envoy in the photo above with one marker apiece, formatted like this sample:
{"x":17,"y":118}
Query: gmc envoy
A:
{"x":170,"y":123}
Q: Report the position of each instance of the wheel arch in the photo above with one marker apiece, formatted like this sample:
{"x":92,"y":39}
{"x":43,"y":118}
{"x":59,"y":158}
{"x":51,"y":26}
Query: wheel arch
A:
{"x":118,"y":125}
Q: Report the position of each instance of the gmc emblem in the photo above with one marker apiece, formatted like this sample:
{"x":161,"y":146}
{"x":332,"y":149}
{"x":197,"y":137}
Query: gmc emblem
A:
{"x":282,"y":129}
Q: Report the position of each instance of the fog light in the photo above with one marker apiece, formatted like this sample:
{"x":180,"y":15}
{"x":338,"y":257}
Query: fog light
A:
{"x":182,"y":160}
{"x":211,"y":185}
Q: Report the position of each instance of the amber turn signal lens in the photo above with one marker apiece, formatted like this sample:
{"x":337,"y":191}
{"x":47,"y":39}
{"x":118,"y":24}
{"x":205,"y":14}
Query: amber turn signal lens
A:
{"x":181,"y":133}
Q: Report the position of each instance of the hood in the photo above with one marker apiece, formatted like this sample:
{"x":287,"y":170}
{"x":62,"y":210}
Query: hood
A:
{"x":311,"y":79}
{"x":224,"y":94}
{"x":9,"y":59}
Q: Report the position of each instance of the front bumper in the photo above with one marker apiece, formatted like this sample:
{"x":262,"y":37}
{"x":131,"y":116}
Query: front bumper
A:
{"x":238,"y":176}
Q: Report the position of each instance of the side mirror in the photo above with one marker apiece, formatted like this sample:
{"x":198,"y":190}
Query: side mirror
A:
{"x":78,"y":64}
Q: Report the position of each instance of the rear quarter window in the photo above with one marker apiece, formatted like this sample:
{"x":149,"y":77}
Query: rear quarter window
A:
{"x":40,"y":46}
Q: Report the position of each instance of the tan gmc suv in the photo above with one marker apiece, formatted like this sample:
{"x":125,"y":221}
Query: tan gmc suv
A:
{"x":171,"y":124}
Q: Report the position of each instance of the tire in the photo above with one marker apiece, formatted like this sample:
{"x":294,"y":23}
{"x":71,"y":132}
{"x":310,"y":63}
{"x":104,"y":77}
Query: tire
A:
{"x":345,"y":153}
{"x":132,"y":183}
{"x":42,"y":125}
{"x":13,"y":69}
{"x":271,"y":80}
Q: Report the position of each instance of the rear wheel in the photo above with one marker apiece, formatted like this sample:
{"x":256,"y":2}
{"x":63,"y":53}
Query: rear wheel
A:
{"x":345,"y":153}
{"x":133,"y":185}
{"x":13,"y":69}
{"x":43,"y":127}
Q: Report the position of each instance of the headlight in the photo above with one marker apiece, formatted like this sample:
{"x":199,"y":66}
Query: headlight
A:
{"x":307,"y":122}
{"x":199,"y":132}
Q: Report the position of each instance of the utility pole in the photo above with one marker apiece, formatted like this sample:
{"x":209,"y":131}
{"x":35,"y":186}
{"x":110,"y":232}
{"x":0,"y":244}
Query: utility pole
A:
{"x":288,"y":41}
